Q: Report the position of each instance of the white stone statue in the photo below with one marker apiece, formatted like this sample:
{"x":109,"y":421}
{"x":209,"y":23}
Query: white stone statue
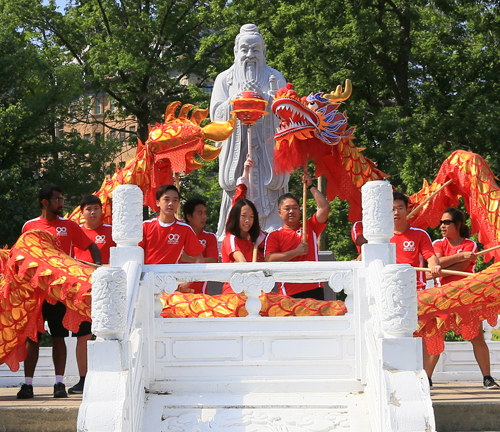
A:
{"x":249,"y":73}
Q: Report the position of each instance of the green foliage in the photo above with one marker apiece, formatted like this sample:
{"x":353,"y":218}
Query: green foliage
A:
{"x":37,"y":86}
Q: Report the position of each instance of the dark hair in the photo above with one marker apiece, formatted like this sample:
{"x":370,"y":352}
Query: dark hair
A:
{"x":190,"y":205}
{"x":162,"y":190}
{"x":233,"y":221}
{"x":286,"y":196}
{"x":458,"y":218}
{"x":400,"y":196}
{"x":90,"y":200}
{"x":46,"y":193}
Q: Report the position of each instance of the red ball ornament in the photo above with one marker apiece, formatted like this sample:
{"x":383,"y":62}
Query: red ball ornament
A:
{"x":249,"y":107}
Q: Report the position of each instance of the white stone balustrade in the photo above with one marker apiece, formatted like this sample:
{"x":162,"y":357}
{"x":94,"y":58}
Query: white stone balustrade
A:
{"x":252,"y":284}
{"x":176,"y":373}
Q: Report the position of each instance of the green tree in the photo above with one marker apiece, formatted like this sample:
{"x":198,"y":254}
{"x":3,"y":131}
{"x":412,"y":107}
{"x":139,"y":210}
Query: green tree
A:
{"x":423,"y":74}
{"x":37,"y":85}
{"x":140,"y":53}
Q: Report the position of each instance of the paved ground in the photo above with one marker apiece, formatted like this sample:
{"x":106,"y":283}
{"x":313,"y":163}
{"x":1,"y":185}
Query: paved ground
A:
{"x":463,"y":392}
{"x":443,"y":392}
{"x":44,"y":398}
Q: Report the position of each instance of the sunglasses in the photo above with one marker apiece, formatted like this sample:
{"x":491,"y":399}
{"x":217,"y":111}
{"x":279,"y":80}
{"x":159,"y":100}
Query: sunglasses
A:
{"x":445,"y":222}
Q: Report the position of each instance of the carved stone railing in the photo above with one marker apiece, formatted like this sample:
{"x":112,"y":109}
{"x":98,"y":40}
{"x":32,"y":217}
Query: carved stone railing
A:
{"x":380,"y":300}
{"x":397,"y":387}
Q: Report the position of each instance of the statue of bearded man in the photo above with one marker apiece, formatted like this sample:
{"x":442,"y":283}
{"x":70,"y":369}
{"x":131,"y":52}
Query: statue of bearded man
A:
{"x":249,"y":73}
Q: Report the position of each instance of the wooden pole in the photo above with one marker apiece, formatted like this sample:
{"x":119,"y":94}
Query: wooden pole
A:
{"x":494,"y":248}
{"x":445,"y":272}
{"x":425,"y":201}
{"x":322,"y":189}
{"x":178,"y":214}
{"x":255,"y":250}
{"x":250,"y":154}
{"x":304,"y":208}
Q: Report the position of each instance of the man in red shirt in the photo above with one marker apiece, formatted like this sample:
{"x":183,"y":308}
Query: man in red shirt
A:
{"x":413,"y":245}
{"x":195,"y":214}
{"x":70,"y":235}
{"x":100,"y":234}
{"x":285,"y":244}
{"x":164,"y":237}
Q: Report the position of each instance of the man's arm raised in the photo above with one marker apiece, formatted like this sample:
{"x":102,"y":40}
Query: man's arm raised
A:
{"x":323,"y":205}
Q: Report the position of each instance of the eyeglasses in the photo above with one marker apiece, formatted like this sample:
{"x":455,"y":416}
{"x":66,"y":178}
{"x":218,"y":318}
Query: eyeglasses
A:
{"x":445,"y":222}
{"x":58,"y":199}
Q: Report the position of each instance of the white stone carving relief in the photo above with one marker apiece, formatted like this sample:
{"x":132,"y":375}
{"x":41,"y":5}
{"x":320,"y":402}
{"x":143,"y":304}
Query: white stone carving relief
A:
{"x":398,"y":300}
{"x":127,"y":215}
{"x":252,"y":284}
{"x":256,"y":420}
{"x":341,"y":280}
{"x":164,"y":282}
{"x":378,"y":221}
{"x":109,"y":302}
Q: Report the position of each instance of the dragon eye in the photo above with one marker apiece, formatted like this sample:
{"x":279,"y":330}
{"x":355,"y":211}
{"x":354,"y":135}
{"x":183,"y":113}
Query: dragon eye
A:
{"x":313,"y":106}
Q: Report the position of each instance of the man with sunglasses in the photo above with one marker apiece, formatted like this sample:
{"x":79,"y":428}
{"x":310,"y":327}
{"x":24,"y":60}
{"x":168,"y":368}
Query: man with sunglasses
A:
{"x":413,"y":245}
{"x":70,"y":235}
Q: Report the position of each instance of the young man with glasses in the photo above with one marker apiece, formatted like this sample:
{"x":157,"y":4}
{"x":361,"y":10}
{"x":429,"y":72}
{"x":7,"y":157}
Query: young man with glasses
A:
{"x":413,"y":245}
{"x":70,"y":235}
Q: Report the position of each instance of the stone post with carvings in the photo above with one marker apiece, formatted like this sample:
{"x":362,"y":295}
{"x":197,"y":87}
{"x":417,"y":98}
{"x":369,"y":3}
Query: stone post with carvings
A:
{"x":127,"y":225}
{"x":109,"y":303}
{"x":378,"y":222}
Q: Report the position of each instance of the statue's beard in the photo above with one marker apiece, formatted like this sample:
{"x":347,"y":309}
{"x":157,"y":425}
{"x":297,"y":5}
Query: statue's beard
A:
{"x":249,"y":70}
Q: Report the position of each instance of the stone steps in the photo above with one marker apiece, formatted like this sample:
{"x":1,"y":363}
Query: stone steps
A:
{"x":458,"y":407}
{"x":43,"y":413}
{"x":465,"y":406}
{"x":257,"y":412}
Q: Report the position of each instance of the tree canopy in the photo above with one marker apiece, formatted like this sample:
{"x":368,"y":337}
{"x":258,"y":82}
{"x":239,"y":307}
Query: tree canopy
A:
{"x":423,"y":73}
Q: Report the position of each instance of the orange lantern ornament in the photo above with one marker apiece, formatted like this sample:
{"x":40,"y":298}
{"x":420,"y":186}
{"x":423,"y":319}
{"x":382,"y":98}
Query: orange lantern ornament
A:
{"x":249,"y":107}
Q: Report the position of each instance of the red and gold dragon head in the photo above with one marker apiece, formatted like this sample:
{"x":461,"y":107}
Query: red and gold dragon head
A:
{"x":312,"y":129}
{"x":171,"y":148}
{"x":312,"y":117}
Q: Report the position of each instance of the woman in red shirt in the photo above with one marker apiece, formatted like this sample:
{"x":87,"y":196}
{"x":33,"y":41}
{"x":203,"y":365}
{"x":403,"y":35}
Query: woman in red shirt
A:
{"x":457,"y":252}
{"x":242,"y":231}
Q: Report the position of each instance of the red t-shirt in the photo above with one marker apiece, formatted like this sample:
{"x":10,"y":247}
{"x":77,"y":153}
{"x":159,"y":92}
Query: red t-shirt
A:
{"x":443,"y":247}
{"x":356,"y":231}
{"x":67,"y":231}
{"x":412,"y":247}
{"x":232,"y":244}
{"x":286,"y":239}
{"x":164,"y":243}
{"x":101,"y":236}
{"x":209,"y":242}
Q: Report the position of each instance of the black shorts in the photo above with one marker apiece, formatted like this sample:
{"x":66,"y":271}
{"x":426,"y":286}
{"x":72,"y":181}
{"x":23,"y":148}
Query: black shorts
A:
{"x":315,"y":293}
{"x":54,"y":315}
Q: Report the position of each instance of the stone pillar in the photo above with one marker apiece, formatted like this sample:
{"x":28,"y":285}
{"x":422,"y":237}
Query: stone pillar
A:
{"x":398,"y":301}
{"x":252,"y":284}
{"x":378,"y":222}
{"x":109,"y":303}
{"x":127,"y":225}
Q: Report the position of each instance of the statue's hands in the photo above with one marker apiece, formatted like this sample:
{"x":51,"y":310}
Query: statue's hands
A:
{"x":254,"y":86}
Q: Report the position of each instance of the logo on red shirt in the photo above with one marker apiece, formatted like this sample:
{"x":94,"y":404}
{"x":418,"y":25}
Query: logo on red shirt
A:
{"x":299,"y":232}
{"x":99,"y":239}
{"x":61,"y":231}
{"x":173,"y":238}
{"x":409,"y":246}
{"x":203,"y":243}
